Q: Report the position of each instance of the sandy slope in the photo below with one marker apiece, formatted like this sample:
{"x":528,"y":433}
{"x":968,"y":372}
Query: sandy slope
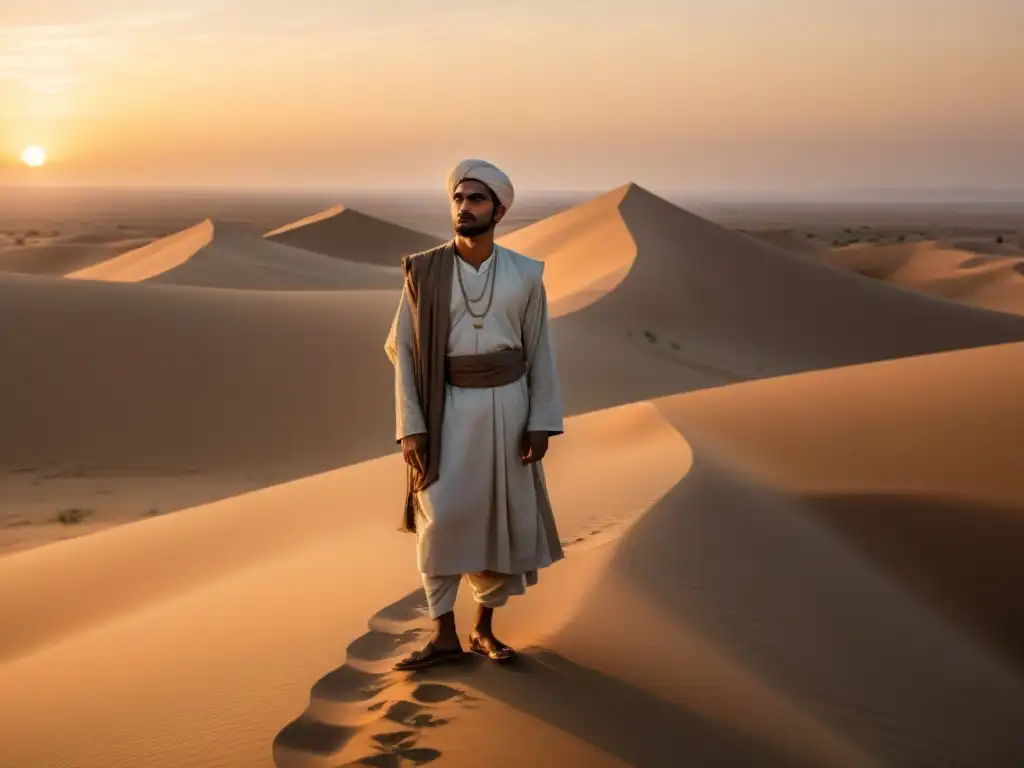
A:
{"x":712,"y":609}
{"x":700,"y":296}
{"x":191,"y":378}
{"x":231,"y":390}
{"x":812,"y":569}
{"x":835,"y":546}
{"x":994,"y":280}
{"x":220,"y":255}
{"x":349,"y":234}
{"x":63,"y":255}
{"x":130,"y":623}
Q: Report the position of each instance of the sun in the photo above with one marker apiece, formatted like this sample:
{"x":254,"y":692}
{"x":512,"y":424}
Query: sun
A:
{"x":34,"y":156}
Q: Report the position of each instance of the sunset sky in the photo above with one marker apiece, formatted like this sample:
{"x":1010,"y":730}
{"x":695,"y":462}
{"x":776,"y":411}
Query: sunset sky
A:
{"x":576,"y":94}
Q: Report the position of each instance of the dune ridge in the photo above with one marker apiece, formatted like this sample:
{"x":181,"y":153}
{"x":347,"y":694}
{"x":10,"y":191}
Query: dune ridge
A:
{"x":352,"y":235}
{"x":649,"y":300}
{"x":220,"y":255}
{"x":790,"y":644}
{"x":790,"y":500}
{"x":698,"y":304}
{"x":587,"y":251}
{"x":993,"y":280}
{"x":777,"y":636}
{"x":60,"y":256}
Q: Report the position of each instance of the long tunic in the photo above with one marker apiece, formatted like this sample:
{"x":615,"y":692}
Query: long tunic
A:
{"x":487,"y":511}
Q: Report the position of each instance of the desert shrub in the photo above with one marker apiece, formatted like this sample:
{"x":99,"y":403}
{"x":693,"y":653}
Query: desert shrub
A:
{"x":73,"y":515}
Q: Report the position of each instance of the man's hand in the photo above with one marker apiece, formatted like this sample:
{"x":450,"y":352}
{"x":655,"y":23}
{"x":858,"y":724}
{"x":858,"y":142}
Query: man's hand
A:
{"x":533,"y":447}
{"x":414,"y":451}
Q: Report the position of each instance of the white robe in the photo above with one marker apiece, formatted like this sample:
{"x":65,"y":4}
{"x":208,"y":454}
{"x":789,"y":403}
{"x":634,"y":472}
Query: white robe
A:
{"x":484,"y":513}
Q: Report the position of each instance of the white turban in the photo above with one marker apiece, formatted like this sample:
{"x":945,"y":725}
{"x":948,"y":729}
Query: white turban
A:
{"x":485,"y":173}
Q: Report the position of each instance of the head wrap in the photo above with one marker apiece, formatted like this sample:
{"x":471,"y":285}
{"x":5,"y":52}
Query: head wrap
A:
{"x":485,"y":173}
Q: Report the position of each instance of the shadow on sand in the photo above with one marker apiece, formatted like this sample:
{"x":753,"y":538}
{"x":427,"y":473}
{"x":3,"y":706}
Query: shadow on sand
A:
{"x":357,"y":704}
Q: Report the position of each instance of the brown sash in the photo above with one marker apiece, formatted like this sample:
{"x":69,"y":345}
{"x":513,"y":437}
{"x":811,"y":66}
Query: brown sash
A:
{"x":492,"y":369}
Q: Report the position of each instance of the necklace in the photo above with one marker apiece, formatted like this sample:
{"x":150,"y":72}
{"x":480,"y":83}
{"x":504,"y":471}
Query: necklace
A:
{"x":490,"y":277}
{"x":483,"y":290}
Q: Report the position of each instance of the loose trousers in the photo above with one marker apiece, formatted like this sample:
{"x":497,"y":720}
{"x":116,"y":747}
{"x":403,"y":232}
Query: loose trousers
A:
{"x":489,"y":589}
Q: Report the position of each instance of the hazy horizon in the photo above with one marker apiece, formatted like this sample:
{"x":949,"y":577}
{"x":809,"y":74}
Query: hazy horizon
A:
{"x":1013,"y":196}
{"x":745,"y":97}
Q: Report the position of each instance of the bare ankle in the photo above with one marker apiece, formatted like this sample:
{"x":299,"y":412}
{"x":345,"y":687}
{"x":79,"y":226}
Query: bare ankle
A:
{"x":484,"y":619}
{"x":445,"y":634}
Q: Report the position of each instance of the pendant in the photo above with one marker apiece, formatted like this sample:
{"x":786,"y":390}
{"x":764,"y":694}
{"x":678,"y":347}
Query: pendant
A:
{"x":478,"y":326}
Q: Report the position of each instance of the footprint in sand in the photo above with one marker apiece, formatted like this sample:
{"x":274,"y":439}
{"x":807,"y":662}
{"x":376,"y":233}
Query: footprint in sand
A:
{"x":354,"y":707}
{"x":599,"y":530}
{"x":411,"y":714}
{"x":377,"y":646}
{"x":394,"y":749}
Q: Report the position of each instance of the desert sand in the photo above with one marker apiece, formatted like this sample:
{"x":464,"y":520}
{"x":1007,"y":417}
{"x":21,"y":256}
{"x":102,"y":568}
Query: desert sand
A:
{"x":983,"y":274}
{"x":352,"y":235}
{"x":790,"y":498}
{"x":220,"y":255}
{"x":58,"y":254}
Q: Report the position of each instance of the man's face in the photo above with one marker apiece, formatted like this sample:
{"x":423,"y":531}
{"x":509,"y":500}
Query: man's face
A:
{"x":474,"y":211}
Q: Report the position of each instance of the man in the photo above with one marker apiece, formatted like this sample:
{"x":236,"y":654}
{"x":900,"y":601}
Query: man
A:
{"x":477,"y":397}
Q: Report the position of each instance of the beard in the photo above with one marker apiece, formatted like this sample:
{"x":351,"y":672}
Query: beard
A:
{"x":474,"y":228}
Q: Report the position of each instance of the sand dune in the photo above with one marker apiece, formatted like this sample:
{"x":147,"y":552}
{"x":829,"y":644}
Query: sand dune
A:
{"x":819,"y":568}
{"x":649,"y":301}
{"x":348,"y":234}
{"x":63,"y":255}
{"x":784,"y":578}
{"x":191,"y":378}
{"x":587,"y":250}
{"x":220,"y":255}
{"x":133,"y":601}
{"x":983,"y":278}
{"x":699,"y":296}
{"x":712,"y":608}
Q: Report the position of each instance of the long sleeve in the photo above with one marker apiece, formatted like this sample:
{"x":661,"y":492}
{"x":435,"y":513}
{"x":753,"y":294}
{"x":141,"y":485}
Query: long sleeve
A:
{"x":398,"y":347}
{"x":545,"y":392}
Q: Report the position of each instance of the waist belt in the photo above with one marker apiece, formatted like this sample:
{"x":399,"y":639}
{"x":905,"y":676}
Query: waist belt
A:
{"x":493,"y":369}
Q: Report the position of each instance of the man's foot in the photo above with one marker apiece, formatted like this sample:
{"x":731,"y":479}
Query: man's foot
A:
{"x":430,"y":656}
{"x":489,"y":646}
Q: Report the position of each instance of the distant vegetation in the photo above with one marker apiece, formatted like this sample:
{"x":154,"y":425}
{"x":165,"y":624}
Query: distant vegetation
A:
{"x":73,"y":515}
